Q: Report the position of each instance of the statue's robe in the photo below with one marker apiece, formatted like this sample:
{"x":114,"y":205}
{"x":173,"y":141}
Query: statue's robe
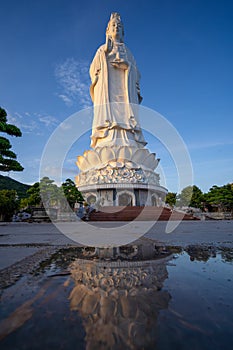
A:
{"x":116,"y":97}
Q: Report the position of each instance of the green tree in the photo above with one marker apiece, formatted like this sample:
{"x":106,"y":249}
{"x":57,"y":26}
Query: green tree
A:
{"x":8,"y":160}
{"x":171,"y":198}
{"x":71,"y":192}
{"x":46,"y":192}
{"x":191,"y":196}
{"x":33,"y":193}
{"x":197,"y":198}
{"x":8,"y":204}
{"x":50,"y":193}
{"x":220,"y":197}
{"x":33,"y":198}
{"x":42,"y":193}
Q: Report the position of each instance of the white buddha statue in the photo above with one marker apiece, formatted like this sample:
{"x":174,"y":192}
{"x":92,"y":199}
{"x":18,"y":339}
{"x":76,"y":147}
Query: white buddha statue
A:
{"x":118,"y":155}
{"x":115,"y":92}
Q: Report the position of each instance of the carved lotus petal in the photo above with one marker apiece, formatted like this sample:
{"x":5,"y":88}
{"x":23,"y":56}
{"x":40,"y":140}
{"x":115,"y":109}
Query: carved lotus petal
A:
{"x":107,"y":154}
{"x":132,"y":165}
{"x":125,"y":153}
{"x":76,"y":296}
{"x":150,"y":161}
{"x":140,"y":155}
{"x":107,"y":309}
{"x":77,"y":180}
{"x":82,"y":163}
{"x":129,"y":308}
{"x":116,"y":164}
{"x":93,"y":158}
{"x":157,"y":162}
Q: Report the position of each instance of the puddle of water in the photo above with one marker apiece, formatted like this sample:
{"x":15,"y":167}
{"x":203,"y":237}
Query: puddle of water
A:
{"x":40,"y":317}
{"x":200,"y":312}
{"x":180,"y":302}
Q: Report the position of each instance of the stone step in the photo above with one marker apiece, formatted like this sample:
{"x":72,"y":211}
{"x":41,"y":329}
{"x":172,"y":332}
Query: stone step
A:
{"x":130,"y":213}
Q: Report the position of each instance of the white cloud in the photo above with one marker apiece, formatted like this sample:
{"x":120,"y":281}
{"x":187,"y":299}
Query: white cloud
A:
{"x":32,"y":122}
{"x":65,"y":126}
{"x":23,"y":121}
{"x":48,"y":120}
{"x":73,"y":78}
{"x":66,"y":99}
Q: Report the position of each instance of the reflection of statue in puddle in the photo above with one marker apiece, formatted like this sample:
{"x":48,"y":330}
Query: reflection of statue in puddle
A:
{"x":119,"y":301}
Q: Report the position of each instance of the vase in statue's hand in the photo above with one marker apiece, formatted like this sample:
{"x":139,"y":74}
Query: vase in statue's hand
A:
{"x":119,"y":63}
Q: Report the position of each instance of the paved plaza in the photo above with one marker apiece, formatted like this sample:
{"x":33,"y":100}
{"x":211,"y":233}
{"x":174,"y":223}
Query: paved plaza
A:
{"x":21,"y":240}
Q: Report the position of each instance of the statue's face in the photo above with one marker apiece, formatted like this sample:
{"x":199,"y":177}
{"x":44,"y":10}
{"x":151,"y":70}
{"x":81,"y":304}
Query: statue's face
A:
{"x":115,"y":29}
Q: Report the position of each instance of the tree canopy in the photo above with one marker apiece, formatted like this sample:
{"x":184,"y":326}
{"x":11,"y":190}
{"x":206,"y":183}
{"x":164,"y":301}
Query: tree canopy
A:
{"x":48,"y":193}
{"x":190,"y":196}
{"x":220,"y":197}
{"x":8,"y":160}
{"x":217,"y":198}
{"x":34,"y":197}
{"x":8,"y":204}
{"x":71,"y":192}
{"x":171,"y":198}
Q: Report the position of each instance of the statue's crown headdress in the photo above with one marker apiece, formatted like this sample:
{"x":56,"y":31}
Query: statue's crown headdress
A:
{"x":115,"y":15}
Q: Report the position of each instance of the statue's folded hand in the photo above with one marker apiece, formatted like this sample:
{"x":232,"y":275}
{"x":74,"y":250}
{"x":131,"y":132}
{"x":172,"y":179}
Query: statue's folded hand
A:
{"x":120,"y":64}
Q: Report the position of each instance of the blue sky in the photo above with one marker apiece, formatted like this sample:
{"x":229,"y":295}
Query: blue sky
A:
{"x":184,"y":52}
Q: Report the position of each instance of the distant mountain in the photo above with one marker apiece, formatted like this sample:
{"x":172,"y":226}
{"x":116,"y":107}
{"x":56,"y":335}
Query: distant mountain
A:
{"x":6,"y":183}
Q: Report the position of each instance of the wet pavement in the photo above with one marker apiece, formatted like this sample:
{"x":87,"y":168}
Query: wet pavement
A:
{"x":171,"y":293}
{"x":39,"y":236}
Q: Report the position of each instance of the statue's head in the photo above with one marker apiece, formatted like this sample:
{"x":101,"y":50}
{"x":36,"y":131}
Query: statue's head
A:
{"x":115,"y":28}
